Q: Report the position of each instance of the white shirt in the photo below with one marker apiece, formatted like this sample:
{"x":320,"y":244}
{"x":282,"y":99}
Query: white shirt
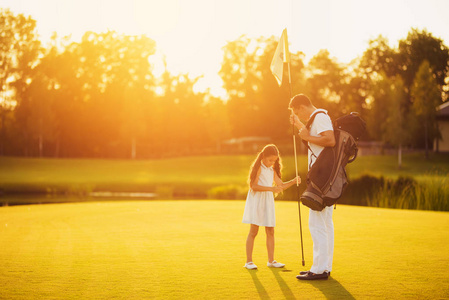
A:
{"x":321,"y":123}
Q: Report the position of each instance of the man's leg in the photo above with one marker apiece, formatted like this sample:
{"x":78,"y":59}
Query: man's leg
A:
{"x":317,"y":226}
{"x":328,"y":211}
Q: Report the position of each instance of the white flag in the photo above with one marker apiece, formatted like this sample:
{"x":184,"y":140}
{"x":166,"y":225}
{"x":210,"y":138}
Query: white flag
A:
{"x":280,"y":57}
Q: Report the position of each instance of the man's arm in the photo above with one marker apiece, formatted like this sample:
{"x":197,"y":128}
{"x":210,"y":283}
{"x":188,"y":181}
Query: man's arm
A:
{"x":325,"y":139}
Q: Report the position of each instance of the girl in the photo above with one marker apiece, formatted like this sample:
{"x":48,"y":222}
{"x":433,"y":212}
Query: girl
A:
{"x":259,"y":208}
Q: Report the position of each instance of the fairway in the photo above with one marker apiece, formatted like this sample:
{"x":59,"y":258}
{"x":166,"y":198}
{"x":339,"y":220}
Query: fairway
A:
{"x":177,"y":178}
{"x":196,"y":250}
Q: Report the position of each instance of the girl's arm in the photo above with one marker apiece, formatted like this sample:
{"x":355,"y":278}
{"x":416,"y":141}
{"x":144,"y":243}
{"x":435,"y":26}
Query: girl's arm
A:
{"x":259,"y":188}
{"x":285,"y":185}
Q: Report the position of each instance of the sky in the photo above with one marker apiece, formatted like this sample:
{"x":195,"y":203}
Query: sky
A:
{"x":190,"y":34}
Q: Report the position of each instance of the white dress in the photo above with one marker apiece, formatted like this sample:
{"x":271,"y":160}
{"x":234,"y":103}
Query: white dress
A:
{"x":259,"y":207}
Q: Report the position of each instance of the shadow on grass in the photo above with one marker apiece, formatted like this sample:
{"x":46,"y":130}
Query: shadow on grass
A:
{"x":260,"y":289}
{"x":288,"y":294}
{"x":331,"y":288}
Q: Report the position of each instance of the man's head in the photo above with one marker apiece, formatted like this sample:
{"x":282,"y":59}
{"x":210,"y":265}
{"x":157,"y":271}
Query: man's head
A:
{"x":301,"y":106}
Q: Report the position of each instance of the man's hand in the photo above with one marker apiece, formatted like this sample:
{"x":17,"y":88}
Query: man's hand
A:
{"x":295,"y":121}
{"x":304,"y":134}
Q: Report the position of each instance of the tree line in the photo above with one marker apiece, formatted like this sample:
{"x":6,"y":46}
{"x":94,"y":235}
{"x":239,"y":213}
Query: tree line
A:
{"x":100,"y":98}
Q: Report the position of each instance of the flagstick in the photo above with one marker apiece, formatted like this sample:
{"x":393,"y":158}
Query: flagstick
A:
{"x":296,"y":169}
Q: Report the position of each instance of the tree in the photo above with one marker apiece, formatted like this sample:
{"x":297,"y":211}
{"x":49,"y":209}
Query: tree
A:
{"x":426,"y":96}
{"x":418,"y":47}
{"x":256,"y":105}
{"x":379,"y":58}
{"x":38,"y":108}
{"x":216,"y":121}
{"x":180,"y":121}
{"x":19,"y":51}
{"x":326,"y":84}
{"x":274,"y":100}
{"x":354,"y":94}
{"x":378,"y":102}
{"x":405,"y":61}
{"x":239,"y":75}
{"x":40,"y":115}
{"x":104,"y":85}
{"x":339,"y":88}
{"x":132,"y":83}
{"x":396,"y":129}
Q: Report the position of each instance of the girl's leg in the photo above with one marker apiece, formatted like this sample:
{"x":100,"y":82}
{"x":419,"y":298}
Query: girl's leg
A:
{"x":253,"y":230}
{"x":270,"y":243}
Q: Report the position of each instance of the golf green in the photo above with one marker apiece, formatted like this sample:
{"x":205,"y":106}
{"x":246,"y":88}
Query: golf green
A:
{"x":196,"y":250}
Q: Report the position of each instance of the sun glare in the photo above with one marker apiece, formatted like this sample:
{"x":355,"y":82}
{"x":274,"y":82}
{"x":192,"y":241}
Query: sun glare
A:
{"x":182,"y":32}
{"x":157,"y":22}
{"x":190,"y":34}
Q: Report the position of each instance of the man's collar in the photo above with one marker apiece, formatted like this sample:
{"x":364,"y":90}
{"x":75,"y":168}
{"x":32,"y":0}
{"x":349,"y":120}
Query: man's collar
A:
{"x":316,"y":111}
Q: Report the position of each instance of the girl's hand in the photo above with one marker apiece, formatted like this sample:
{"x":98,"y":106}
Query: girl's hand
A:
{"x":277,"y":189}
{"x":293,"y":181}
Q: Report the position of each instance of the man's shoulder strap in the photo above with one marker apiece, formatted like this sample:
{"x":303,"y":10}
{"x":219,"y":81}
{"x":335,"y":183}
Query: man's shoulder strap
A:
{"x":309,"y":124}
{"x":312,"y":118}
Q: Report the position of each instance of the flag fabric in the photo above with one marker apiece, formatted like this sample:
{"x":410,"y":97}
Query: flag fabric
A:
{"x":281,"y":56}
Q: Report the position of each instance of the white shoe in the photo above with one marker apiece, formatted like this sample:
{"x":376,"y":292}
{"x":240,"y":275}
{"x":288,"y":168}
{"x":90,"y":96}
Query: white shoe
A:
{"x":275,"y":264}
{"x":250,"y":265}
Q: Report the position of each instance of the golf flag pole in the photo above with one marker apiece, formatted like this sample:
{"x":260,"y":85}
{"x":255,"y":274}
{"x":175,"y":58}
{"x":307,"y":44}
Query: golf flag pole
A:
{"x":281,"y":56}
{"x":297,"y":180}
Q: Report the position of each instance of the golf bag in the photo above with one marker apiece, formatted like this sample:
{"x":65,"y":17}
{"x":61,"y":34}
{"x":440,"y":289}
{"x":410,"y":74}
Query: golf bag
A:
{"x":326,"y":179}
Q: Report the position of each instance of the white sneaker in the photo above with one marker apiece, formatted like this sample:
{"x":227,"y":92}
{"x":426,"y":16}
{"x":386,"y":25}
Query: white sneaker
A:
{"x":275,"y":264}
{"x":250,"y":265}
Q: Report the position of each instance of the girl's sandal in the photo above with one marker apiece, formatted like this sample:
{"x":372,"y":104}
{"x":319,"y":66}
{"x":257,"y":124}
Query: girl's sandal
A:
{"x":250,"y":265}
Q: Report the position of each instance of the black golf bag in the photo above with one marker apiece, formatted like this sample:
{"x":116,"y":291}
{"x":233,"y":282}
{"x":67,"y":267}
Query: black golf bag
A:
{"x":326,"y":179}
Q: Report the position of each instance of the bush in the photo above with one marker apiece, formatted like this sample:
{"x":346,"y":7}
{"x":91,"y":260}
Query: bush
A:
{"x":403,"y":193}
{"x":359,"y":190}
{"x":433,"y":194}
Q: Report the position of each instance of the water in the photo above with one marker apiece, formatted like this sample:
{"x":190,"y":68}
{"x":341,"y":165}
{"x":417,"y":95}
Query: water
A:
{"x":25,"y":199}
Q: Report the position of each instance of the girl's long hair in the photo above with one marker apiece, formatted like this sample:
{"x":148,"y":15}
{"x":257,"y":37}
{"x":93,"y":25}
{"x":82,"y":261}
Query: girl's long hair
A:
{"x":268,"y":150}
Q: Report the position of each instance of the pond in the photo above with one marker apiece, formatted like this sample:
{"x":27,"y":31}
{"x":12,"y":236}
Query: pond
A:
{"x":30,"y":198}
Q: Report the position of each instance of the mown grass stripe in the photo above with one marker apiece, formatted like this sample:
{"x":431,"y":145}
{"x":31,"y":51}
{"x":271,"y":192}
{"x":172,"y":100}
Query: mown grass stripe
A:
{"x":196,"y":249}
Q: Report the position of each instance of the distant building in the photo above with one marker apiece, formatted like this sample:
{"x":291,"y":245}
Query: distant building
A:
{"x":442,"y":145}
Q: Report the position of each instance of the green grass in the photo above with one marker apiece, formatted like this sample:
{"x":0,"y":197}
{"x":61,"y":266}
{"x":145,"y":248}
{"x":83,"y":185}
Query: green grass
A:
{"x":194,"y":172}
{"x":213,"y":177}
{"x":25,"y":173}
{"x":196,"y":250}
{"x":413,"y":165}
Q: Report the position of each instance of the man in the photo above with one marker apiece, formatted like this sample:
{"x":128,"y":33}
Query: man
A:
{"x":320,"y":135}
